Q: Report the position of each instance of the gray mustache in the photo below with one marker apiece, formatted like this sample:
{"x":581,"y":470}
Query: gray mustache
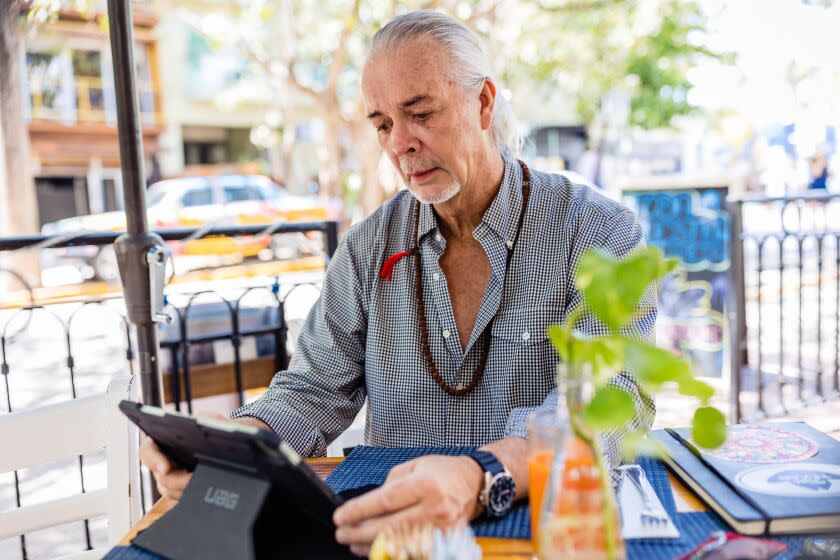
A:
{"x":409,"y":167}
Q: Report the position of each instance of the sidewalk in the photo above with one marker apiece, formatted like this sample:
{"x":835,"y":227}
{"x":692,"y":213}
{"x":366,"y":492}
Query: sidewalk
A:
{"x":675,"y":410}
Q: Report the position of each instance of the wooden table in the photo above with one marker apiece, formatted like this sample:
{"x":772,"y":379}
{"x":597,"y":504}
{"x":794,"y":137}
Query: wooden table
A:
{"x":496,"y":549}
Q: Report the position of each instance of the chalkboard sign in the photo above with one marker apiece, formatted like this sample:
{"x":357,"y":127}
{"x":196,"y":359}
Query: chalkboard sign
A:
{"x":692,"y":225}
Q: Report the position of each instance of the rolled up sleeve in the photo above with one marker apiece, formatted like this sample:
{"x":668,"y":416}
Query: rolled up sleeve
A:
{"x":318,"y":396}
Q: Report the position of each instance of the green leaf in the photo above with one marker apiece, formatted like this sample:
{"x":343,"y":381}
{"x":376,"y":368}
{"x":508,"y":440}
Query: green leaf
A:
{"x":653,"y":366}
{"x":637,"y":444}
{"x":692,"y":387}
{"x":610,"y":407}
{"x":708,"y":429}
{"x":604,"y":354}
{"x":561,"y":338}
{"x":613,"y":287}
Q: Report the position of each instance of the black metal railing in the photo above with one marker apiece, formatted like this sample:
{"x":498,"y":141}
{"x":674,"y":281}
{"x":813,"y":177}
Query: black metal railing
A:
{"x":329,"y":228}
{"x":785,"y":312}
{"x":178,"y":348}
{"x":9,"y":331}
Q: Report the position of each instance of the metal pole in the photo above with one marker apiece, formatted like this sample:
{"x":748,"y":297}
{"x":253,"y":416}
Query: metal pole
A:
{"x":331,"y":241}
{"x":738,"y":357}
{"x":133,"y":248}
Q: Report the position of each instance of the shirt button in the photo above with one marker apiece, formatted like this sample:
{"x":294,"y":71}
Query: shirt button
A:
{"x":446,"y":333}
{"x":526,"y":336}
{"x":509,"y":244}
{"x":438,"y":237}
{"x":436,"y":276}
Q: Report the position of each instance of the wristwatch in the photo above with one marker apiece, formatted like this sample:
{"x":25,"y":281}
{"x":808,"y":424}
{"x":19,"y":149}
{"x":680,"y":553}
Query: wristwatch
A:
{"x":499,"y":489}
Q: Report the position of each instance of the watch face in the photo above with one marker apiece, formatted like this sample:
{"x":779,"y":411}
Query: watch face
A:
{"x":500,"y":497}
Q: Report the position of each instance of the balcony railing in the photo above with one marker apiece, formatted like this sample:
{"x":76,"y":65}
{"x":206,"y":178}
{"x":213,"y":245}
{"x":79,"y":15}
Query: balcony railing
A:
{"x":91,"y":103}
{"x":249,"y":327}
{"x":785,"y":312}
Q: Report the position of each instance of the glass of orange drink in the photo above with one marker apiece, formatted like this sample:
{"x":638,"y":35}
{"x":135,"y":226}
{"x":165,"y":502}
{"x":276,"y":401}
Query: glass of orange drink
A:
{"x":546,"y":433}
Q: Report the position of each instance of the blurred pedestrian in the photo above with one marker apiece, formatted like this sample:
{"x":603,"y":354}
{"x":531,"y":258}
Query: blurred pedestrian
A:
{"x":818,"y":170}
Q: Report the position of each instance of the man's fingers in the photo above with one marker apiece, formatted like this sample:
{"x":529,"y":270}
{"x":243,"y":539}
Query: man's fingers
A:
{"x":172,"y":485}
{"x":391,"y":497}
{"x":153,"y":457}
{"x":400,"y":470}
{"x":178,"y":479}
{"x":170,"y":480}
{"x":365,"y":532}
{"x":360,"y":550}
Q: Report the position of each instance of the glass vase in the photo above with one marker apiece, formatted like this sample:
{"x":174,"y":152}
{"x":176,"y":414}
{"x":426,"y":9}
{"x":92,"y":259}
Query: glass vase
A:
{"x":579,"y":518}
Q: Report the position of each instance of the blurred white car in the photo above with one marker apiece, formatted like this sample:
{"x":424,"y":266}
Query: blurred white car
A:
{"x":191,"y":202}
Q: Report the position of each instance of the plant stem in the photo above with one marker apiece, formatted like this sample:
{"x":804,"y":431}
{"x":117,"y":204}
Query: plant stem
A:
{"x":607,"y":501}
{"x":575,"y":408}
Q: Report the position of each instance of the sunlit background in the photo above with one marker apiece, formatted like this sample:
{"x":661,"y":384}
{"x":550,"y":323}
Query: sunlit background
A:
{"x":251,"y":116}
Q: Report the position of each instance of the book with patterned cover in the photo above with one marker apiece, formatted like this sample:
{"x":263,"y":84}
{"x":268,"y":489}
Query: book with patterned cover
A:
{"x":767,"y":479}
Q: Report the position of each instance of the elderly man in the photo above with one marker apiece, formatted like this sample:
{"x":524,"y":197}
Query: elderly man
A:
{"x":435,"y":307}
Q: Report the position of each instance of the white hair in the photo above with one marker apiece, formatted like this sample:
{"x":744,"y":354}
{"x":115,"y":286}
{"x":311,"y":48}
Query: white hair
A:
{"x":472,"y":63}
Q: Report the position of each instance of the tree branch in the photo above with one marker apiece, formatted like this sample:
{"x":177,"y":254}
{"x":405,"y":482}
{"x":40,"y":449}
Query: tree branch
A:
{"x":290,"y":78}
{"x":340,"y":54}
{"x":488,"y":12}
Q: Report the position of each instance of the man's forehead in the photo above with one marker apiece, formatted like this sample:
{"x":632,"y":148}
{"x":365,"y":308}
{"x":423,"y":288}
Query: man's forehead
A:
{"x":417,"y":71}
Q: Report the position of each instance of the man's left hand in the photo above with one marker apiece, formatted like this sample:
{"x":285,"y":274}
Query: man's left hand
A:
{"x":434,"y":489}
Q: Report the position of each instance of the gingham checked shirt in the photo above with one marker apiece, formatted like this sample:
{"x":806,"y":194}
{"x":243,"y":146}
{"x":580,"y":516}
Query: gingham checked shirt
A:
{"x":361,"y":339}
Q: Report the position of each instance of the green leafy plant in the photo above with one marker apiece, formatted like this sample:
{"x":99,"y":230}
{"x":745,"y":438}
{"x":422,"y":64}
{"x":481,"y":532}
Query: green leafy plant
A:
{"x":612,"y":289}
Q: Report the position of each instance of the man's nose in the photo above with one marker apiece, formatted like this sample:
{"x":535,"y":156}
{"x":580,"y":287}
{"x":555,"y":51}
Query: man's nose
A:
{"x":403,"y":141}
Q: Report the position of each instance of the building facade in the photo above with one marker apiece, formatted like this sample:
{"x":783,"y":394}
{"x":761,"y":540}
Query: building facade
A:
{"x":70,"y":106}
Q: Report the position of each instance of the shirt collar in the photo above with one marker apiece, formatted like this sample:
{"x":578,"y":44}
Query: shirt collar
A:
{"x":501,"y":217}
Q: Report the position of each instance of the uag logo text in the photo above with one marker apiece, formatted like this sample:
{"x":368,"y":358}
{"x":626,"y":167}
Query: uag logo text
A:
{"x":221,"y":498}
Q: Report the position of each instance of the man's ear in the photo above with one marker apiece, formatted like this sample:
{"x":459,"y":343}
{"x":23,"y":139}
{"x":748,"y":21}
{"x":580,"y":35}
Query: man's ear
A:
{"x":487,"y":100}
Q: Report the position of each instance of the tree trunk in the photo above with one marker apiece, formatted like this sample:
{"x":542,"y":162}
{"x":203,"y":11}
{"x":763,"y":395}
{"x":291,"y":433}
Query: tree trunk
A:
{"x":368,"y":153}
{"x":18,"y":203}
{"x":329,"y":155}
{"x":287,"y":151}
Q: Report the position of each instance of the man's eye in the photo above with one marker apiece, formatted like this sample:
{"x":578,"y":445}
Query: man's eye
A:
{"x":382,"y":128}
{"x":421,"y":116}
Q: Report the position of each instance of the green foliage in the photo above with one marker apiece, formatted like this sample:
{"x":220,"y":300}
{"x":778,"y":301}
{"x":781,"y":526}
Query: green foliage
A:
{"x":603,"y":354}
{"x":612,"y":290}
{"x":584,"y":49}
{"x":643,"y":50}
{"x":660,"y":61}
{"x":708,"y":429}
{"x":635,"y":444}
{"x":610,"y":406}
{"x":654,"y":366}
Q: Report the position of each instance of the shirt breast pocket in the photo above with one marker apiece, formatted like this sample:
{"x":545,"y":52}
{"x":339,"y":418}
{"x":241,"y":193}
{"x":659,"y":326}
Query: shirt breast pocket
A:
{"x":522,"y":360}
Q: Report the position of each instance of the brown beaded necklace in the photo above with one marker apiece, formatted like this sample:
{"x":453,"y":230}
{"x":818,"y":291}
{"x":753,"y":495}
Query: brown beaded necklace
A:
{"x":461,"y":390}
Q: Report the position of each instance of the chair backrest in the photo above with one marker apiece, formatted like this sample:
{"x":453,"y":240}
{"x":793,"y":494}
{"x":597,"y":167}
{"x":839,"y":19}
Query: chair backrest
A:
{"x":41,"y":435}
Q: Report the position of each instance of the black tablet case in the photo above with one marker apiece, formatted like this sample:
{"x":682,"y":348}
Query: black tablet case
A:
{"x":248,"y":498}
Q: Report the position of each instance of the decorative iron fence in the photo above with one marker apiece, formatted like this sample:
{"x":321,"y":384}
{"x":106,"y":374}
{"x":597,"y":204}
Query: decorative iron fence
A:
{"x":247,"y":325}
{"x":785,"y":303}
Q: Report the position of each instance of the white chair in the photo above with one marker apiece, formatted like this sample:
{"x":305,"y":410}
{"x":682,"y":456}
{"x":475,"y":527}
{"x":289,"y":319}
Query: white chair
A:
{"x":45,"y":434}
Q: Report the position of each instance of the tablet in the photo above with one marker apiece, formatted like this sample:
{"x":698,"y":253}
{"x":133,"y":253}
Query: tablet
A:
{"x":249,"y":450}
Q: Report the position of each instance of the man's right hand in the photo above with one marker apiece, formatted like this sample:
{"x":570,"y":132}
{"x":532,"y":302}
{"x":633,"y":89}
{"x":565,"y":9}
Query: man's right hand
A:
{"x":171,"y":479}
